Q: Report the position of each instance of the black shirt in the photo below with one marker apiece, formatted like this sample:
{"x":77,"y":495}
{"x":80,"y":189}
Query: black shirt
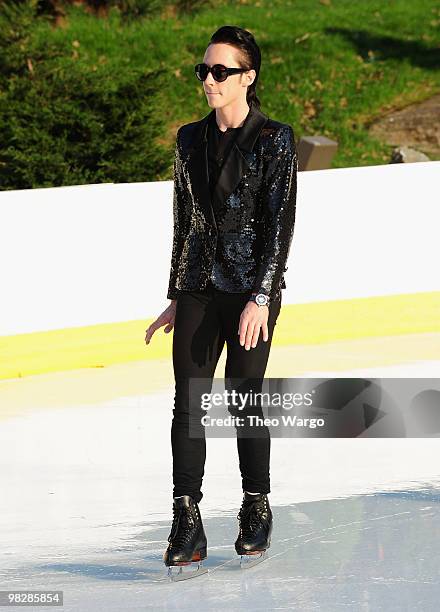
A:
{"x":219,"y":145}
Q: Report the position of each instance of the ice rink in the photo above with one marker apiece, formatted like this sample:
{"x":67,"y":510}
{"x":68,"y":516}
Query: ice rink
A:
{"x":86,"y":505}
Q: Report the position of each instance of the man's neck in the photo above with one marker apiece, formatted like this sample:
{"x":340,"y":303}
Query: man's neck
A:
{"x":232,"y":116}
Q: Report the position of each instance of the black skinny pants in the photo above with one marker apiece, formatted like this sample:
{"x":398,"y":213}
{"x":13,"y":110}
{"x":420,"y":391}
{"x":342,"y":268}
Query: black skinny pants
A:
{"x":204,"y":321}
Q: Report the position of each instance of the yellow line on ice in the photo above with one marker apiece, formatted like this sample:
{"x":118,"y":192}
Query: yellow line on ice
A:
{"x":99,"y":346}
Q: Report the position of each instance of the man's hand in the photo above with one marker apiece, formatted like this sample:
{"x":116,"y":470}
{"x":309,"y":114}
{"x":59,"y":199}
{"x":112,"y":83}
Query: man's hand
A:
{"x":252,"y":319}
{"x":166,"y":318}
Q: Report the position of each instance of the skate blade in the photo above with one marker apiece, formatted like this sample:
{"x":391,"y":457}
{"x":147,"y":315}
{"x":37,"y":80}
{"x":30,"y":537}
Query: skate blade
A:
{"x":182,"y":574}
{"x":251,"y":559}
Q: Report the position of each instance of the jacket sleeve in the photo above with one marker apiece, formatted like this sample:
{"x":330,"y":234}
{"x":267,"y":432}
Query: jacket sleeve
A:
{"x":279,"y":207}
{"x":178,"y":220}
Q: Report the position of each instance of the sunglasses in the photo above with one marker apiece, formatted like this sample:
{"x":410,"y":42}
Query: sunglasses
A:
{"x":219,"y":72}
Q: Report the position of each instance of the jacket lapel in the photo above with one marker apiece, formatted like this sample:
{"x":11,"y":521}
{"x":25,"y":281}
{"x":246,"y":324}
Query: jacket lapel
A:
{"x":234,"y":167}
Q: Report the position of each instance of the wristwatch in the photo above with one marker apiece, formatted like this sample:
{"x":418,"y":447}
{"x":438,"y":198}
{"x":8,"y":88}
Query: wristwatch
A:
{"x":260,"y":298}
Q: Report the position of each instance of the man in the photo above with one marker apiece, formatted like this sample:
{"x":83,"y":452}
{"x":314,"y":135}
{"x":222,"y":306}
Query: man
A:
{"x":234,"y":211}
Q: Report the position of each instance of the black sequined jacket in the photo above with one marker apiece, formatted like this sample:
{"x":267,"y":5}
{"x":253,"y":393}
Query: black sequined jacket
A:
{"x":242,"y":243}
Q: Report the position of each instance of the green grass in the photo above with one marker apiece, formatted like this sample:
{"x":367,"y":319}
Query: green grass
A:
{"x":328,"y":67}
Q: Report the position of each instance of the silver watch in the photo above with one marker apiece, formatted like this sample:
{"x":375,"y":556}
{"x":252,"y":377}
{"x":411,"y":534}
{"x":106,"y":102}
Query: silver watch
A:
{"x":261,"y":299}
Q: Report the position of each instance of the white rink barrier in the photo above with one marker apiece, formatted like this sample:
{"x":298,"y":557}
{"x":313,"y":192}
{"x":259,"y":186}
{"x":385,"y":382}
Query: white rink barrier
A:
{"x":90,"y":254}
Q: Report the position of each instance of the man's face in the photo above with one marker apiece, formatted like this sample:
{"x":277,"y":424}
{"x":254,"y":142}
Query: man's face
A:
{"x":235,"y":87}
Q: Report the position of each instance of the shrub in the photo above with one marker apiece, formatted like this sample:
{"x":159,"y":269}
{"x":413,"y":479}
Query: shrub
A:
{"x":62,"y":123}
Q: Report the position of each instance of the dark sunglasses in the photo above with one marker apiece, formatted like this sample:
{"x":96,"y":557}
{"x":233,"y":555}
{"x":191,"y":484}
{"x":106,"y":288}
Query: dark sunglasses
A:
{"x":219,"y":72}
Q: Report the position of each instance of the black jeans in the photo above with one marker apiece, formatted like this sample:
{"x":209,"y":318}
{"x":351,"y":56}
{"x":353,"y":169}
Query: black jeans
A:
{"x":204,"y":321}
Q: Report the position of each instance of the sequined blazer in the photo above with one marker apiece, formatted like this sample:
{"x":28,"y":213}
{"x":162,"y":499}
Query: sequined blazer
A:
{"x":241,"y":240}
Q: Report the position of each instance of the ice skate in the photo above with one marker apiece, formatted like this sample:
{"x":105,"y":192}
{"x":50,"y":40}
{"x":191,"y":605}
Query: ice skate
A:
{"x":255,"y":518}
{"x":187,"y":541}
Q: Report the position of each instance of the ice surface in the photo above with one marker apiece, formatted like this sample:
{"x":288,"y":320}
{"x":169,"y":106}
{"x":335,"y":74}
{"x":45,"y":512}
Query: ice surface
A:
{"x":85,"y":507}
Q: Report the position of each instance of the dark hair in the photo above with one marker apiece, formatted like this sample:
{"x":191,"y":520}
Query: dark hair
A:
{"x":250,"y":55}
